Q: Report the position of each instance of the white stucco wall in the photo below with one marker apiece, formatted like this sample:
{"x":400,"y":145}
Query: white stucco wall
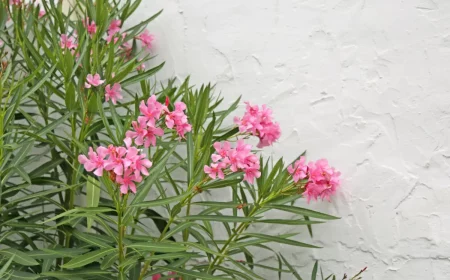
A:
{"x":364,"y":83}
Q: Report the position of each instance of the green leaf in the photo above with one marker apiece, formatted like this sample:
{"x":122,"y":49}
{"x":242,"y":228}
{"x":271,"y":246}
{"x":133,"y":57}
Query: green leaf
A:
{"x":172,"y":256}
{"x":23,"y":174}
{"x":6,"y":265}
{"x":70,"y":96}
{"x":214,"y":218}
{"x":18,"y":275}
{"x":141,"y":76}
{"x":190,"y":157}
{"x":314,"y":272}
{"x":92,"y":196}
{"x":288,"y":222}
{"x":179,"y":228}
{"x":191,"y":273}
{"x":160,"y":202}
{"x":41,"y":81}
{"x":301,"y":211}
{"x":19,"y":257}
{"x":291,"y":268}
{"x":87,"y":258}
{"x":158,"y":247}
{"x":280,"y":240}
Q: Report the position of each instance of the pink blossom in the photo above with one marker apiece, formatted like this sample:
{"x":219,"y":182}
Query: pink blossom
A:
{"x":214,"y":170}
{"x":127,"y":181}
{"x":91,"y":28}
{"x":152,"y":132}
{"x":299,"y":170}
{"x":251,"y":173}
{"x":269,"y":134}
{"x":41,"y":13}
{"x":178,"y":119}
{"x":96,"y":160}
{"x":127,"y":164}
{"x":14,"y":2}
{"x":114,"y":26}
{"x":238,"y":159}
{"x":146,"y":39}
{"x":145,"y":132}
{"x":322,"y":180}
{"x":222,"y":150}
{"x":140,"y":131}
{"x":1,"y":43}
{"x":115,"y":161}
{"x":110,"y":37}
{"x":258,"y":122}
{"x":113,"y":93}
{"x":156,"y":277}
{"x":93,"y":81}
{"x":151,"y":110}
{"x":141,"y":67}
{"x":67,"y":42}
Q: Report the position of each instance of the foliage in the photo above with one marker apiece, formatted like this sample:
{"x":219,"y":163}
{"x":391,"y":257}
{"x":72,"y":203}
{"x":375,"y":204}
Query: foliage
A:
{"x":59,"y":221}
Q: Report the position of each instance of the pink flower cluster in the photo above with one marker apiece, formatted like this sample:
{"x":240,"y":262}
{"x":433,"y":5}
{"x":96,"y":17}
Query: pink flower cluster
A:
{"x":126,"y":165}
{"x":258,"y":122}
{"x":322,"y":180}
{"x":145,"y":129}
{"x":235,"y":159}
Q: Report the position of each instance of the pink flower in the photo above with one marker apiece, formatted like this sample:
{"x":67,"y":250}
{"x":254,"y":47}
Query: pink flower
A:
{"x":140,"y":131}
{"x":115,"y":161}
{"x":178,"y":119}
{"x":67,"y":42}
{"x":258,"y":122}
{"x":251,"y":173}
{"x":222,"y":150}
{"x":141,"y":67}
{"x":1,"y":43}
{"x":269,"y":134}
{"x":14,"y":2}
{"x":299,"y":170}
{"x":214,"y":170}
{"x":313,"y":191}
{"x":114,"y":26}
{"x":235,"y":159}
{"x":152,"y":132}
{"x":323,"y":180}
{"x":91,"y":28}
{"x":127,"y":181}
{"x":41,"y":13}
{"x":156,"y":277}
{"x":145,"y":132}
{"x":113,"y":93}
{"x":110,"y":37}
{"x":93,"y":81}
{"x":96,"y":160}
{"x":146,"y":39}
{"x":152,"y":110}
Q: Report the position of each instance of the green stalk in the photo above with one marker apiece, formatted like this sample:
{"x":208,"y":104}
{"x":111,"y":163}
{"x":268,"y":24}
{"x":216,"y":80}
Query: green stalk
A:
{"x":121,"y":207}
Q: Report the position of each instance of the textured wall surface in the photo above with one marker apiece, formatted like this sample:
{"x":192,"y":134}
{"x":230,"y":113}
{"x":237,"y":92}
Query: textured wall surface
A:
{"x":364,"y":83}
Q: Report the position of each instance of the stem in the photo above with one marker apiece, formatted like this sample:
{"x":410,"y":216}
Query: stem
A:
{"x":121,"y":229}
{"x":233,"y":237}
{"x":163,"y":233}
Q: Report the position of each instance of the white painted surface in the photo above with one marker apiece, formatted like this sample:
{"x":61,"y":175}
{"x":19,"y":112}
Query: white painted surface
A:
{"x":363,"y":83}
